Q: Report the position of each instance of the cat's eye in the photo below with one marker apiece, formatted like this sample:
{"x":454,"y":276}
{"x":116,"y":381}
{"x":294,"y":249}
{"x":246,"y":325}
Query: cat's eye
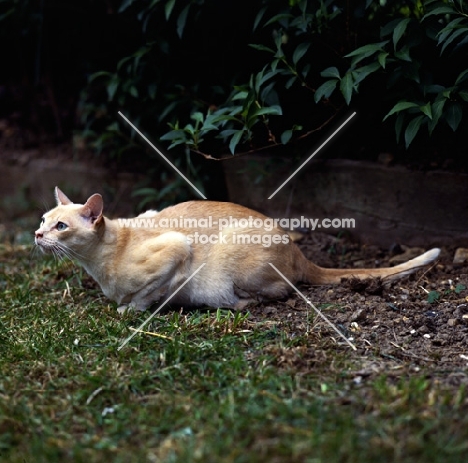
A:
{"x":61,"y":226}
{"x":42,"y":221}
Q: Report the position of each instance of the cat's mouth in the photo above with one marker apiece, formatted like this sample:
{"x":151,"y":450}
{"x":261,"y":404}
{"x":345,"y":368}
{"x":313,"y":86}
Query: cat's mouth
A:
{"x":44,"y":247}
{"x":59,"y":250}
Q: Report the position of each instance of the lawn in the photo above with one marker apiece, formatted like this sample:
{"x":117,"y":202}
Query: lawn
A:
{"x":273,"y":384}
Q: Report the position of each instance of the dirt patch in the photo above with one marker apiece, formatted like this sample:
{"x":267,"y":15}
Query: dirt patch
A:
{"x":419,"y":322}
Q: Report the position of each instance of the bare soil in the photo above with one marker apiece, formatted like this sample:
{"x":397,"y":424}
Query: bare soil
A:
{"x":416,"y":324}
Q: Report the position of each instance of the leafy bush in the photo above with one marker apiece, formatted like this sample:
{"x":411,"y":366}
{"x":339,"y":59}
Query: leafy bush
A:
{"x":407,"y":54}
{"x":223,"y":78}
{"x":309,"y":50}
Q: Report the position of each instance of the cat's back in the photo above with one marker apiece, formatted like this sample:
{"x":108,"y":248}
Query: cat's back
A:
{"x":205,"y":209}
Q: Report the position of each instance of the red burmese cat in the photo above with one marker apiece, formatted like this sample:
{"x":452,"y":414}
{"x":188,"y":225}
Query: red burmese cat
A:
{"x":139,"y":265}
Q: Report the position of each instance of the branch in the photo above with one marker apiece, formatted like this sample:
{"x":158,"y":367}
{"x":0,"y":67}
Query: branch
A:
{"x":230,"y":157}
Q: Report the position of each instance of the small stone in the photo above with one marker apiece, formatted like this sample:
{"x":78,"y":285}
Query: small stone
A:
{"x":357,"y":380}
{"x":359,"y":263}
{"x":452,"y":322}
{"x":269,"y":310}
{"x":461,"y":256}
{"x":385,"y":158}
{"x":358,"y":315}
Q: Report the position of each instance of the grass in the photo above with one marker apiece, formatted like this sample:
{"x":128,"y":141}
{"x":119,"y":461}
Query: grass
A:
{"x":206,"y":386}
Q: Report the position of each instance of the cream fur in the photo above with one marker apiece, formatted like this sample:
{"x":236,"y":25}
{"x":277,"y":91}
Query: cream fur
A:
{"x":142,"y":266}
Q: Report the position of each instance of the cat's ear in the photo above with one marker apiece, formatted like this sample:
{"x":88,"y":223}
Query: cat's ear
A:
{"x":92,"y":209}
{"x":60,"y":197}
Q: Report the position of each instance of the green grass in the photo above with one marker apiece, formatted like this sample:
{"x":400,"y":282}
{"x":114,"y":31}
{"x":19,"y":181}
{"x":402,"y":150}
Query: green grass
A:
{"x":211,"y":386}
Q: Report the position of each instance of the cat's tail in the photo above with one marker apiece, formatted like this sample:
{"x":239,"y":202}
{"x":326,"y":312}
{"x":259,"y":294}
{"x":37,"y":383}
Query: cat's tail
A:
{"x":319,"y":275}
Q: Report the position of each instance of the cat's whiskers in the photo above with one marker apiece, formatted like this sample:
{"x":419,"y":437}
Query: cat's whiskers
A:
{"x":33,"y":252}
{"x":58,"y":250}
{"x":68,"y":252}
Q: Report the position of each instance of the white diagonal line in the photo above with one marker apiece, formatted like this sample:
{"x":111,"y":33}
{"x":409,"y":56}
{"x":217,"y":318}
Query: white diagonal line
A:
{"x":162,"y":155}
{"x":313,"y":154}
{"x":161,"y":306}
{"x":315,"y":308}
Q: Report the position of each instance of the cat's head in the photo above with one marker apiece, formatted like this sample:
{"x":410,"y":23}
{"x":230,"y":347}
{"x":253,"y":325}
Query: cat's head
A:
{"x":70,"y":229}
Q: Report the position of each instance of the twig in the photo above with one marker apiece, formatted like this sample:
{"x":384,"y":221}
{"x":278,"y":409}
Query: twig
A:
{"x":153,"y":334}
{"x":230,"y":157}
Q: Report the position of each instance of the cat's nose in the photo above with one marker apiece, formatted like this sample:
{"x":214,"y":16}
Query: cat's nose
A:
{"x":38,"y":234}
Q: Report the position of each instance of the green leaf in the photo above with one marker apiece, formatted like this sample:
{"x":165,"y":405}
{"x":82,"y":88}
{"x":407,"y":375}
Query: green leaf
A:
{"x":346,"y":87}
{"x":241,"y":95}
{"x":399,"y":31}
{"x":403,"y":54}
{"x":300,"y":51}
{"x":437,"y":108}
{"x":259,"y":17}
{"x":235,"y":141}
{"x":448,"y":29}
{"x":182,"y":20}
{"x":174,"y":135}
{"x":461,"y":77}
{"x":7,"y":13}
{"x":382,"y":58}
{"x":399,"y":126}
{"x":331,"y":72}
{"x":367,"y":50}
{"x":125,"y":4}
{"x":123,"y":61}
{"x":433,"y":296}
{"x":400,"y":106}
{"x":269,"y":94}
{"x":114,"y":127}
{"x":463,"y":94}
{"x":286,"y":136}
{"x":168,"y":8}
{"x":447,"y":92}
{"x":456,"y":34}
{"x":441,"y":10}
{"x":167,"y":110}
{"x":96,"y":75}
{"x":364,"y":52}
{"x":361,"y":73}
{"x":412,"y":129}
{"x":290,"y":82}
{"x":388,"y":28}
{"x":279,"y":18}
{"x":459,"y":288}
{"x":261,"y":78}
{"x":453,"y":115}
{"x":112,"y":87}
{"x":426,"y":109}
{"x":272,"y":110}
{"x":198,"y":117}
{"x":152,"y":89}
{"x":134,"y":91}
{"x":261,"y":47}
{"x":433,"y":88}
{"x":325,"y":90}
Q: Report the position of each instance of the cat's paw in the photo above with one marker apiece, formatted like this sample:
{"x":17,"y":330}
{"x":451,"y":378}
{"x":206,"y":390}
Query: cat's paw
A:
{"x":123,"y":309}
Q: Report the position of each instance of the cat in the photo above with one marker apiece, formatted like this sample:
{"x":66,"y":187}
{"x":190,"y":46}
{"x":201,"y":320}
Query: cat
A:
{"x":147,"y":262}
